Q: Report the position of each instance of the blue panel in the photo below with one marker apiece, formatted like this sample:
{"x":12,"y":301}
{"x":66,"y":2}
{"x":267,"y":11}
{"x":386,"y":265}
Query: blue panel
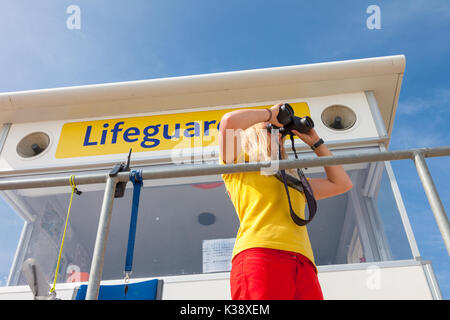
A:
{"x":145,"y":290}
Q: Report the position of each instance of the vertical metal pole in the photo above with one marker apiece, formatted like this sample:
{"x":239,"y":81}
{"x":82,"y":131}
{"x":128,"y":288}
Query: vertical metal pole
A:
{"x":98,"y":258}
{"x":4,"y":135}
{"x":433,"y":198}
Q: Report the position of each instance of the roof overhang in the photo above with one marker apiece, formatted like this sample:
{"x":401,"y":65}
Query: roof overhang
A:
{"x":382,"y":75}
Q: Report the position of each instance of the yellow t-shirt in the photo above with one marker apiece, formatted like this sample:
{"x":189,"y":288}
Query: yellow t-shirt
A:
{"x":262,"y":206}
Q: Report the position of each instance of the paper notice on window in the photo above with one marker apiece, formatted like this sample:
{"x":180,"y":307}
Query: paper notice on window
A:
{"x":217,"y":255}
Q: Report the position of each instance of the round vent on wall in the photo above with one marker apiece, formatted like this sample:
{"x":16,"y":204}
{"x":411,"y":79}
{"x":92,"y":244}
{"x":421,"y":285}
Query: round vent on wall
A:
{"x":206,"y":218}
{"x":338,"y":117}
{"x":33,"y":144}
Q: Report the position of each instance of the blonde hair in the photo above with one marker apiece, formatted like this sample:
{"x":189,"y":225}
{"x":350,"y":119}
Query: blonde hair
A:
{"x":255,"y":142}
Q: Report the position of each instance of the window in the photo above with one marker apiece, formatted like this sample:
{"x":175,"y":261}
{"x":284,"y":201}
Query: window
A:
{"x":188,"y":225}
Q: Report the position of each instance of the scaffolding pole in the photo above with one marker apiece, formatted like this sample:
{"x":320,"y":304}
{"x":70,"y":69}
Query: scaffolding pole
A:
{"x":417,"y":155}
{"x":433,"y":198}
{"x":210,"y":169}
{"x":98,"y":257}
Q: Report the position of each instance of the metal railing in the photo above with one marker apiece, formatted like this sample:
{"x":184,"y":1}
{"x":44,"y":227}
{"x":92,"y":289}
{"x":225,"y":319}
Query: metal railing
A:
{"x":95,"y":275}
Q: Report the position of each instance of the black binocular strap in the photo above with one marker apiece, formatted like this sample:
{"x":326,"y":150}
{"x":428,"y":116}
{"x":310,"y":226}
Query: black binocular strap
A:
{"x":312,"y":205}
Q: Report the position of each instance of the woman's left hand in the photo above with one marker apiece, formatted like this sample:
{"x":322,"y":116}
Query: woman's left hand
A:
{"x":337,"y":180}
{"x":309,"y":138}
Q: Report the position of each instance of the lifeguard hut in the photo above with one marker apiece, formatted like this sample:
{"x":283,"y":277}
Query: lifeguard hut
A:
{"x":362,"y":240}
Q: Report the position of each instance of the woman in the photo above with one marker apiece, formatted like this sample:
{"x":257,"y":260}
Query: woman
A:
{"x":272,"y":257}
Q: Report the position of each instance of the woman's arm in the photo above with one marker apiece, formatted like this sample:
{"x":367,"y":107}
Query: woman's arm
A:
{"x":234,"y":121}
{"x":337,"y":181}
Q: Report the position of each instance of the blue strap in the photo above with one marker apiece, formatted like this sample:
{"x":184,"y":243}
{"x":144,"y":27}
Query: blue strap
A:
{"x":136,"y":179}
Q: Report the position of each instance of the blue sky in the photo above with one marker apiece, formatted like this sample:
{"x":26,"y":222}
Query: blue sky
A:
{"x":137,"y":39}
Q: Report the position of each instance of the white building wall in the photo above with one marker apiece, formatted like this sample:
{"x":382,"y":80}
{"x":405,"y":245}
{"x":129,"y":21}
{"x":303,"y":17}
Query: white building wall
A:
{"x":397,"y":280}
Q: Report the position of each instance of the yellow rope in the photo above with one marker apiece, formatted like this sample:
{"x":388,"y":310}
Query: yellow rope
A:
{"x":72,"y":184}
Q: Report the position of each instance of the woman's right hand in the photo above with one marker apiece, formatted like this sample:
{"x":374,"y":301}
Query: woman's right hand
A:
{"x":273,"y":119}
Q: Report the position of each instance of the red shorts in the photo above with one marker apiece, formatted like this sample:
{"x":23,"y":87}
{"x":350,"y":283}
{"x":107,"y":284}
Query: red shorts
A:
{"x":270,"y":274}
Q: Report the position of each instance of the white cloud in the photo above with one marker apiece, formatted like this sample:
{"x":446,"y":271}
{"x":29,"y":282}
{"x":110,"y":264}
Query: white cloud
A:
{"x":416,"y":105}
{"x":405,"y":13}
{"x":422,"y":121}
{"x":405,"y":137}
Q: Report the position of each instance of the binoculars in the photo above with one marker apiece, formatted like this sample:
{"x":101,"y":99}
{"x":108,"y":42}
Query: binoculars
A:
{"x":291,"y":122}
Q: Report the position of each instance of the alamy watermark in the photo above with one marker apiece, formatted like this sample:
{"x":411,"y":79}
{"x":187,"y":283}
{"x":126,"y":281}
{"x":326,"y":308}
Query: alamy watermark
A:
{"x":199,"y":147}
{"x":374,"y":20}
{"x":373,"y":280}
{"x":74,"y":20}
